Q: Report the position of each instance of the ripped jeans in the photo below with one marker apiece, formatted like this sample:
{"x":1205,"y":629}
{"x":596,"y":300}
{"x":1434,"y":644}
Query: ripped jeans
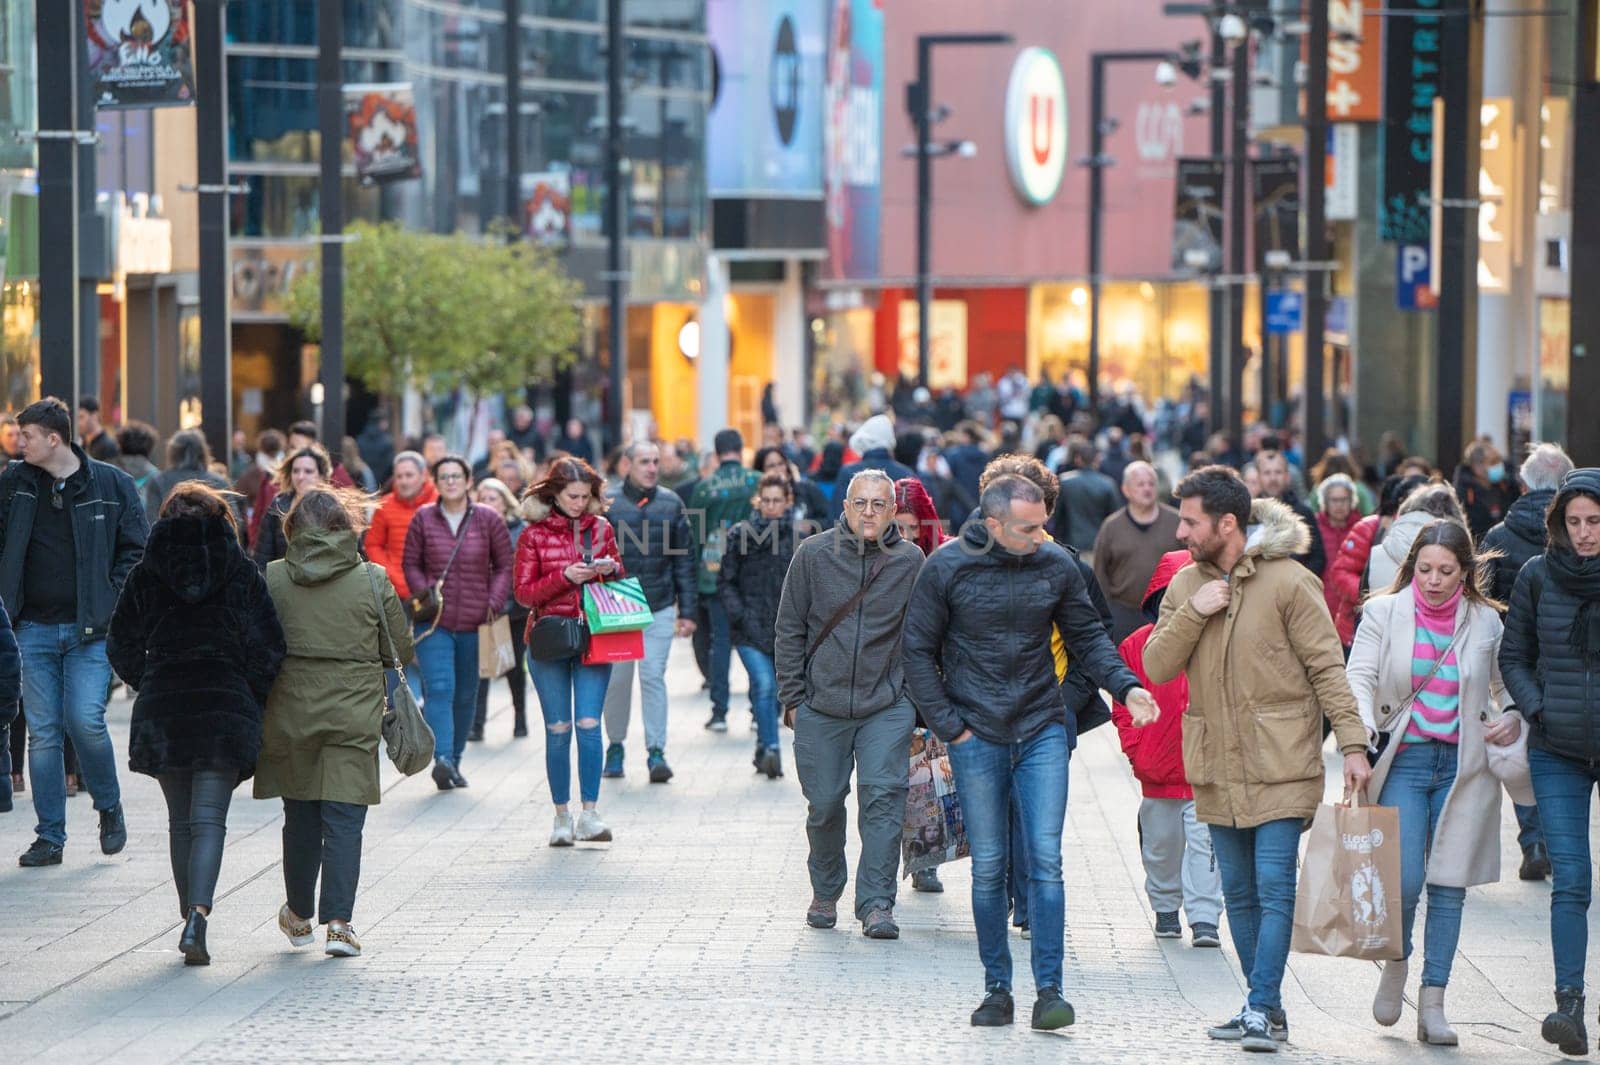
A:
{"x":571,"y":693}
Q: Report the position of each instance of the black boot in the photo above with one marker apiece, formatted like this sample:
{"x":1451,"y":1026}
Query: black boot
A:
{"x":192,"y":944}
{"x":1564,"y":1027}
{"x":1535,"y":862}
{"x":519,"y":730}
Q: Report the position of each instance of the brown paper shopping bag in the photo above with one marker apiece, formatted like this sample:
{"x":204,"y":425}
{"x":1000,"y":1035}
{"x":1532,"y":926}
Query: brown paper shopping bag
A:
{"x":1348,"y":903}
{"x":496,"y":655}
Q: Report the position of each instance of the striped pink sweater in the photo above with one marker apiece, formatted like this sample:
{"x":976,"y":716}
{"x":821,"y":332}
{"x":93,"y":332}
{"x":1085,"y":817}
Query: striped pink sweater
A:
{"x":1436,"y":713}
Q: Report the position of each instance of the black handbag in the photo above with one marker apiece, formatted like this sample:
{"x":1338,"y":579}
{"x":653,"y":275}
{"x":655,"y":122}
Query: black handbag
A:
{"x":556,"y":639}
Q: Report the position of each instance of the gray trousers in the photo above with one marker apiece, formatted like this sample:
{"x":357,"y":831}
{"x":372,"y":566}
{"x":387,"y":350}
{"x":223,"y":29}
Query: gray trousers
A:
{"x":652,"y":684}
{"x":878,"y":748}
{"x":1179,"y":868}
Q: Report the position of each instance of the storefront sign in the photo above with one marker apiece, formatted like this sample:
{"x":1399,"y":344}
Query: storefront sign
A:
{"x":854,"y":138}
{"x":1036,"y":126}
{"x":144,"y":245}
{"x":1355,"y":36}
{"x":1276,"y":191}
{"x":381,"y":121}
{"x":1497,"y":207}
{"x":1412,"y":65}
{"x":1285,"y":312}
{"x":140,"y":53}
{"x":1197,"y":226}
{"x":764,"y":134}
{"x":261,"y":275}
{"x":1342,"y":198}
{"x":1414,"y":278}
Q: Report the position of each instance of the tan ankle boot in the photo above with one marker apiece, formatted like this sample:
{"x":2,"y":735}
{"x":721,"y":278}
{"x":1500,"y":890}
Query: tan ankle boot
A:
{"x":1391,"y":993}
{"x":1432,"y":1028}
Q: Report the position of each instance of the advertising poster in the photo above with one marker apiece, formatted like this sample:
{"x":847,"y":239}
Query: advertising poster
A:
{"x":547,"y":208}
{"x":1275,"y":190}
{"x":764,"y":133}
{"x":853,"y":119}
{"x":1197,"y":222}
{"x":140,"y":53}
{"x":381,"y":121}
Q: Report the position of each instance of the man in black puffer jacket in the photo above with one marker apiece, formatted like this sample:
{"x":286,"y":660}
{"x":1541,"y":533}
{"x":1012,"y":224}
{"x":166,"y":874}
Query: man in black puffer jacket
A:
{"x":1550,"y":659}
{"x":980,"y":669}
{"x":658,"y":548}
{"x":1518,"y":538}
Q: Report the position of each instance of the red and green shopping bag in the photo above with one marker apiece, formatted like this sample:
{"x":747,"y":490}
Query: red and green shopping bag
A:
{"x":616,"y":606}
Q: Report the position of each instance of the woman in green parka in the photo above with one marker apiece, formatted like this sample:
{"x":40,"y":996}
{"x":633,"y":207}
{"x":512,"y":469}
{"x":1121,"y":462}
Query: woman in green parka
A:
{"x":324,"y":719}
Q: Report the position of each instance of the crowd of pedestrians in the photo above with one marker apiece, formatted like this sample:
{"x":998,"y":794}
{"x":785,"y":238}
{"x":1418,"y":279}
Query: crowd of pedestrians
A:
{"x":989,"y":577}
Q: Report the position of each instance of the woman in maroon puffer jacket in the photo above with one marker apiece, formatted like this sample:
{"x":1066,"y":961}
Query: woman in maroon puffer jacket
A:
{"x":477,"y":583}
{"x":566,"y":545}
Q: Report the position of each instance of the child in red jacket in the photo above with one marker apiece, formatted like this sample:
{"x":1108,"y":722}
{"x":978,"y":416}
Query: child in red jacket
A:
{"x":1176,"y":849}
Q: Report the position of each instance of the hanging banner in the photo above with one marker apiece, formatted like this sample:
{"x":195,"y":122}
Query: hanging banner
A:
{"x":853,"y":138}
{"x":1354,"y":74}
{"x":1342,"y":178}
{"x":1275,"y":191}
{"x":381,"y":122}
{"x":1197,"y":224}
{"x":1412,"y":58}
{"x":140,"y":53}
{"x":547,"y":208}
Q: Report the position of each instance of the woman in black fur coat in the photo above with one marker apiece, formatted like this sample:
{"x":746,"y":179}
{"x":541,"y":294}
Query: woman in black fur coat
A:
{"x":197,"y":635}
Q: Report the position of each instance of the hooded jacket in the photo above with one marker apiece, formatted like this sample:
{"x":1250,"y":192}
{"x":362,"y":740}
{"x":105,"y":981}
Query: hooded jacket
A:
{"x":108,"y":530}
{"x":1262,"y":675}
{"x":196,"y":634}
{"x":325,"y":713}
{"x":1383,"y":566}
{"x":549,"y":544}
{"x":1156,"y":751}
{"x":978,"y":634}
{"x":857,"y":671}
{"x":750,"y":585}
{"x":1518,"y":538}
{"x":385,"y":542}
{"x":478,"y":583}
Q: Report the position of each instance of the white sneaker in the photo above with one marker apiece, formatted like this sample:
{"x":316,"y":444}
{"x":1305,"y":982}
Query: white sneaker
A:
{"x":591,"y":829}
{"x":342,"y":942}
{"x":298,"y":929}
{"x":561,"y":834}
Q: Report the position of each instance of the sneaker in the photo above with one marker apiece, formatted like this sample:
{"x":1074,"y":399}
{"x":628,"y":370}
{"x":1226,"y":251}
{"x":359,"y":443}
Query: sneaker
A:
{"x":591,"y":829}
{"x":298,"y":929}
{"x":1051,"y":1011}
{"x":879,"y":924}
{"x":656,"y":762}
{"x":442,"y":777}
{"x":718,"y":722}
{"x":995,"y":1011}
{"x":770,"y":762}
{"x":927,"y":881}
{"x":1254,"y":1033}
{"x":1232,"y":1029}
{"x":613,"y":766}
{"x":113,"y":830}
{"x":342,"y":942}
{"x":1204,"y":935}
{"x":43,"y":852}
{"x":1168,"y":926}
{"x":561,"y":834}
{"x":822,"y":913}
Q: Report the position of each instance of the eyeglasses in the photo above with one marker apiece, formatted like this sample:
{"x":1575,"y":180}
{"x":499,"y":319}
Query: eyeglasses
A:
{"x":451,"y":478}
{"x":877,"y":506}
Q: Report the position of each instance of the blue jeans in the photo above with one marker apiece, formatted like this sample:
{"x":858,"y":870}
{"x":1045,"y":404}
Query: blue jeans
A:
{"x":721,"y":656}
{"x":988,"y":777}
{"x":569,"y":692}
{"x":448,"y":662}
{"x":1420,"y":778}
{"x":1258,"y":870}
{"x":1564,"y":789}
{"x":763,"y":692}
{"x":64,"y":688}
{"x":391,"y":681}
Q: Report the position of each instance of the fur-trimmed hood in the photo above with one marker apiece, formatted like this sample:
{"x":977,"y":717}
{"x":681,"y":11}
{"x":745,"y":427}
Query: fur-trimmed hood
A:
{"x":1276,"y":531}
{"x":536,"y":510}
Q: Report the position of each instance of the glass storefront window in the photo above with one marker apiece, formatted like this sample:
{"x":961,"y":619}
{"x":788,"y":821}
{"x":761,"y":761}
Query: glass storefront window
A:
{"x":367,"y":23}
{"x":19,"y":86}
{"x":843,"y":366}
{"x":688,"y":16}
{"x":19,"y":344}
{"x":281,"y":205}
{"x":1152,"y":335}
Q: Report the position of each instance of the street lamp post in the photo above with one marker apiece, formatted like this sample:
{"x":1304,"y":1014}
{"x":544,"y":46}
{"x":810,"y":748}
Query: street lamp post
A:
{"x":1097,"y":162}
{"x":1238,"y":207}
{"x":919,"y":101}
{"x":1314,"y":421}
{"x":616,"y":215}
{"x":330,"y":121}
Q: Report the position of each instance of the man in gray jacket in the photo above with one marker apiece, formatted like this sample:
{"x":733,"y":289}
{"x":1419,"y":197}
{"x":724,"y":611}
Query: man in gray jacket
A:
{"x":843,"y":692}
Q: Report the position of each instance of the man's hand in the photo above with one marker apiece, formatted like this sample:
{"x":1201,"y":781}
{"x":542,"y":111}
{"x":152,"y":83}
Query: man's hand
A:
{"x":1142,"y":708}
{"x":788,"y":714}
{"x":1357,"y":771}
{"x":1212,"y":597}
{"x":966,"y":734}
{"x":685,"y":627}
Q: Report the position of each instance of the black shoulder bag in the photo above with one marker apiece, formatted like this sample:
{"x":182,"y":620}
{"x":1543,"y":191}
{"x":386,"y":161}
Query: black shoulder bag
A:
{"x":554,"y":638}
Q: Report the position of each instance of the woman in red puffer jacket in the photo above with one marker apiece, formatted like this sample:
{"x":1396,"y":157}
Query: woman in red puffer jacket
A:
{"x":1176,"y":849}
{"x":566,"y":545}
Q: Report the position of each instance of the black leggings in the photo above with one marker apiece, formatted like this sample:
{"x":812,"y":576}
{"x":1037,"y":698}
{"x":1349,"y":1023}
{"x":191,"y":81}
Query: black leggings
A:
{"x":197,"y":820}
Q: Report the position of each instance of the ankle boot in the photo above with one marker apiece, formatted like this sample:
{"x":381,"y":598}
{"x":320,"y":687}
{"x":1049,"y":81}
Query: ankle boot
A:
{"x":1564,"y":1027}
{"x":1387,"y":1002}
{"x":519,"y":730}
{"x":192,"y":944}
{"x":1432,"y":1028}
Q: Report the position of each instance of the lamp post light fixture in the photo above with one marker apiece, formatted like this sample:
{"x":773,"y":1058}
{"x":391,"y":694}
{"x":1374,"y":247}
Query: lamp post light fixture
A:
{"x":924,"y":115}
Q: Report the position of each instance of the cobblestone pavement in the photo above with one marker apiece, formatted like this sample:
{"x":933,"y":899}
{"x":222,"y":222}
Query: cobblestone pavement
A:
{"x":681,"y":941}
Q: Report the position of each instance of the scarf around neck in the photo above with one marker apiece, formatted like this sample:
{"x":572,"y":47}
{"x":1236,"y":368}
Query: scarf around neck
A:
{"x":1579,"y":577}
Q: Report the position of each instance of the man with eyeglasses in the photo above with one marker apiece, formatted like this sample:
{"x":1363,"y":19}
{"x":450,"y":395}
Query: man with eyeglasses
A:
{"x":979,"y":667}
{"x":71,"y":529}
{"x":842,"y":690}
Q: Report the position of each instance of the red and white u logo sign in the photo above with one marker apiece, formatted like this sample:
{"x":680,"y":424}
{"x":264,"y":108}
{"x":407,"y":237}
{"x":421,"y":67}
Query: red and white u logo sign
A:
{"x":1042,"y":118}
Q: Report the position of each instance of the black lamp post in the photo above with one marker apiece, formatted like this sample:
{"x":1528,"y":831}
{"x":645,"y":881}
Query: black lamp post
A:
{"x":919,"y":103}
